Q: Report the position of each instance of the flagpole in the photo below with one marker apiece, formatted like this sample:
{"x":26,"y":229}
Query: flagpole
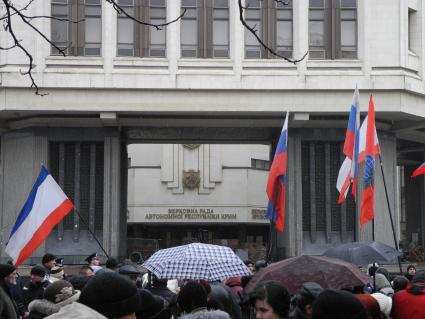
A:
{"x":92,"y":233}
{"x":389,"y":211}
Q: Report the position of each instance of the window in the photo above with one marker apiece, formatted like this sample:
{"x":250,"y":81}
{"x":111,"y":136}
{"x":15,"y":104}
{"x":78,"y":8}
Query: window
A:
{"x":260,"y":164}
{"x":205,"y":29}
{"x":333,"y":29}
{"x":135,"y":39}
{"x":413,"y":40}
{"x":273,"y":22}
{"x":83,"y":38}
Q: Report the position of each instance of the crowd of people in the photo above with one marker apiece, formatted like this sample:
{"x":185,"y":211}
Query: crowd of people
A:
{"x":122,"y":291}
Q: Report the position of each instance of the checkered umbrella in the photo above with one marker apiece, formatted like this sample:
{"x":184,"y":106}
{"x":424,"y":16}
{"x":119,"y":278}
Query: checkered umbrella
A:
{"x":196,"y":261}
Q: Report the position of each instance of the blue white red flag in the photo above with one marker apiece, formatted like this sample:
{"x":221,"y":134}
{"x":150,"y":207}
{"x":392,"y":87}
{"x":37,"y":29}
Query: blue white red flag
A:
{"x":46,"y":205}
{"x":276,"y":191}
{"x":419,"y":171}
{"x":368,"y":193}
{"x":348,"y":172}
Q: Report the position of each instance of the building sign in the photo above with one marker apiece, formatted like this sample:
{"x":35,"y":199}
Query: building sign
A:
{"x":196,"y":214}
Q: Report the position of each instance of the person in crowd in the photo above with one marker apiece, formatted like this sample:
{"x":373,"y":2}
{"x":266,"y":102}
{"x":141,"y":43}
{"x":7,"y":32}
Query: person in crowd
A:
{"x":56,"y":273}
{"x":410,"y":302}
{"x":250,"y":266}
{"x":410,"y":272}
{"x":260,"y":264}
{"x":383,"y":271}
{"x":8,"y":307}
{"x":112,"y":264}
{"x":371,"y":305}
{"x":94,"y":262}
{"x":131,"y":273}
{"x":385,"y":303}
{"x":112,"y":295}
{"x":159,"y":288}
{"x":86,"y":271}
{"x":333,"y":303}
{"x":399,"y":283}
{"x":79,"y":281}
{"x":235,"y":285}
{"x":16,"y":292}
{"x":192,"y":302}
{"x":382,"y":285}
{"x":36,"y":286}
{"x":152,"y":306}
{"x":271,"y":300}
{"x":56,"y":295}
{"x":302,"y":303}
{"x":222,"y":298}
{"x":48,"y":261}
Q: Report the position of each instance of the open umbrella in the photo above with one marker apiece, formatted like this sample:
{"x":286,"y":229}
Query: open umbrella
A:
{"x":196,"y":261}
{"x":327,"y":272}
{"x":363,"y":253}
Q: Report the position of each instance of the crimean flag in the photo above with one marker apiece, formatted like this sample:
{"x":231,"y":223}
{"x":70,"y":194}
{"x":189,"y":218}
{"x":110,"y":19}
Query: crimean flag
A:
{"x":367,"y":206}
{"x":419,"y":171}
{"x":276,"y":191}
{"x":348,"y":171}
{"x":45,"y":206}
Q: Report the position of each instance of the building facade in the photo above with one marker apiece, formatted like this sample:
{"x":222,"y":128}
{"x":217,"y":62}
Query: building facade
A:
{"x":205,"y":80}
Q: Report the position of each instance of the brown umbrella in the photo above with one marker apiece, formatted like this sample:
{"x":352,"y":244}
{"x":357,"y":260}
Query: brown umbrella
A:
{"x":328,"y":272}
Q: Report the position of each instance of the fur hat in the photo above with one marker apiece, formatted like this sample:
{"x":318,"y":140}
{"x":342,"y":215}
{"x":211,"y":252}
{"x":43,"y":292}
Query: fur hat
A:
{"x":6,"y":270}
{"x":38,"y":270}
{"x":111,"y":294}
{"x":338,"y":304}
{"x":385,"y":303}
{"x":56,"y":272}
{"x":59,"y":291}
{"x":47,"y":257}
{"x":419,"y":277}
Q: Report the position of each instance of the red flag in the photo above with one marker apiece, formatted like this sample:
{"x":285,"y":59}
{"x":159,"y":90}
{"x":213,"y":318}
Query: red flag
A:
{"x":367,"y":206}
{"x":419,"y":171}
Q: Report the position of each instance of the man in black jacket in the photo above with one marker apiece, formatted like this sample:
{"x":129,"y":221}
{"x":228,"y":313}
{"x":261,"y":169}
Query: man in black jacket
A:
{"x":38,"y":282}
{"x":8,"y":308}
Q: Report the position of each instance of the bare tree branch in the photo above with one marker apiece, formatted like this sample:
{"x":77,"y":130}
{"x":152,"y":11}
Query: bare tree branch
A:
{"x":120,"y":10}
{"x":257,"y":37}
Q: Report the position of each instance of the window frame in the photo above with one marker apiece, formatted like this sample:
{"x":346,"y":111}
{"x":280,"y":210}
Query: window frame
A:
{"x":204,"y":17}
{"x":268,"y":20}
{"x":332,"y":30}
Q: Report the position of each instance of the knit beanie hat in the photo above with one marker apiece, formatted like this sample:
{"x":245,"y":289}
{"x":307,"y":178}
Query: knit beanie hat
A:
{"x":47,"y":257}
{"x":38,"y":270}
{"x":59,"y":291}
{"x":6,"y":270}
{"x":338,"y":304}
{"x":111,"y":294}
{"x":56,"y":272}
{"x":385,"y":303}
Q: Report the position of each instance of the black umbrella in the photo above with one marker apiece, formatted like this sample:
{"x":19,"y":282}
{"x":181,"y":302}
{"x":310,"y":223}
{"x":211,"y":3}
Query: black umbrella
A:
{"x":363,"y":253}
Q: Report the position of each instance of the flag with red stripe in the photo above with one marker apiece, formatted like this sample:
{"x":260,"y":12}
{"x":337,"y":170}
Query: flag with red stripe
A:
{"x":419,"y":171}
{"x":46,"y":205}
{"x":367,"y":205}
{"x":276,"y":191}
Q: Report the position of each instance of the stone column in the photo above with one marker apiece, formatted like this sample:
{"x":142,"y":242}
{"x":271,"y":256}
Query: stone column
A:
{"x":22,"y":154}
{"x":113,"y":216}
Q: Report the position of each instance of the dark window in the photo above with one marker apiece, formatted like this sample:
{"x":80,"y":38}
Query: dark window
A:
{"x":64,"y":158}
{"x":205,"y":29}
{"x":260,"y":164}
{"x":273,"y":22}
{"x":83,"y":38}
{"x":135,"y":39}
{"x":333,"y":29}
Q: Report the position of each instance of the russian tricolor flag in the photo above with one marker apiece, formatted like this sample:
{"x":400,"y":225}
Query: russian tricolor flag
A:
{"x":348,"y":172}
{"x":276,"y":191}
{"x":419,"y":171}
{"x":46,"y":205}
